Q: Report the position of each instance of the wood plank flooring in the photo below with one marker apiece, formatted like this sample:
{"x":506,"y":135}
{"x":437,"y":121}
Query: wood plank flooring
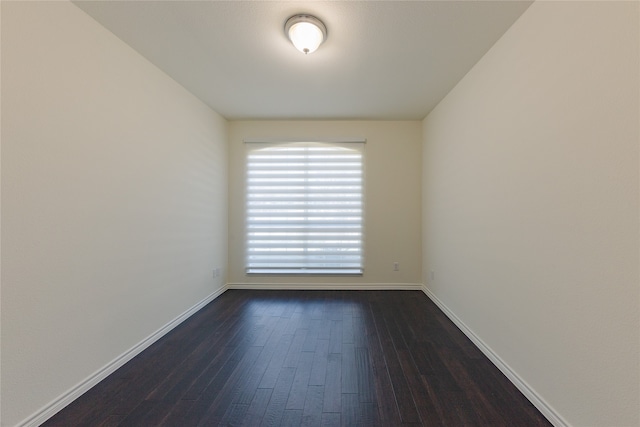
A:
{"x":308,"y":358}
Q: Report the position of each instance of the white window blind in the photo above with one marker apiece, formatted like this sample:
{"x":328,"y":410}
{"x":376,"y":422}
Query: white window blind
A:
{"x":304,"y":208}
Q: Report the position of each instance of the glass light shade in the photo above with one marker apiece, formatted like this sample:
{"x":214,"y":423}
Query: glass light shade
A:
{"x":305,"y":32}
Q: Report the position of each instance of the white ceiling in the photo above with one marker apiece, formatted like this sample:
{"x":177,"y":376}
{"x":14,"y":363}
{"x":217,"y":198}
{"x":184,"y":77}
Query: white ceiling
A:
{"x":382,"y":59}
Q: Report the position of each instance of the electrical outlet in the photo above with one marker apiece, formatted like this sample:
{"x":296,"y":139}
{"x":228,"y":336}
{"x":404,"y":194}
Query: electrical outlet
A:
{"x":396,"y":266}
{"x":432,"y":275}
{"x":216,"y":272}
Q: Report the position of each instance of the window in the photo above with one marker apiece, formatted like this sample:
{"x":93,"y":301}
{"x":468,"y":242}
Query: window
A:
{"x":304,"y":208}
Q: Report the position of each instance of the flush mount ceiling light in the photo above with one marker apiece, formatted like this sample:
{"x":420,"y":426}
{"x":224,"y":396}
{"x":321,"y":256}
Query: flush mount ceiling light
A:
{"x":306,"y":32}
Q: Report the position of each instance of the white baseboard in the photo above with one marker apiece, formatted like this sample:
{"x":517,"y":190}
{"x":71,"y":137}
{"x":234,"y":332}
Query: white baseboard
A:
{"x":65,"y":399}
{"x":329,"y":286}
{"x":52,"y":408}
{"x":553,"y":416}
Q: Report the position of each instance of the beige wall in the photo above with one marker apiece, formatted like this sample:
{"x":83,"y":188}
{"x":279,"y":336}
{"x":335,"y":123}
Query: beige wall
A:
{"x":530,"y":199}
{"x":392,"y":197}
{"x":114,"y":201}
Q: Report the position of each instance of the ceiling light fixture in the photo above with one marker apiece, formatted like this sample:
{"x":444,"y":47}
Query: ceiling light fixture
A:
{"x":306,"y":32}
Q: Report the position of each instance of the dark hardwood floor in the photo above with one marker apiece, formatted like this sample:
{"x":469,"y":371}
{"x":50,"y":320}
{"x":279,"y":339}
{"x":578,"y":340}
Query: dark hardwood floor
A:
{"x":308,"y":358}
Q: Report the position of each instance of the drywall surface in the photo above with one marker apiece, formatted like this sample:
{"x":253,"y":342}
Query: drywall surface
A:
{"x":530,"y":193}
{"x":392,"y":197}
{"x":114,"y":201}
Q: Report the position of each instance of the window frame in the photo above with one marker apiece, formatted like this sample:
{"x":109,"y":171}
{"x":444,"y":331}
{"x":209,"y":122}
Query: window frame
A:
{"x":251,"y":269}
